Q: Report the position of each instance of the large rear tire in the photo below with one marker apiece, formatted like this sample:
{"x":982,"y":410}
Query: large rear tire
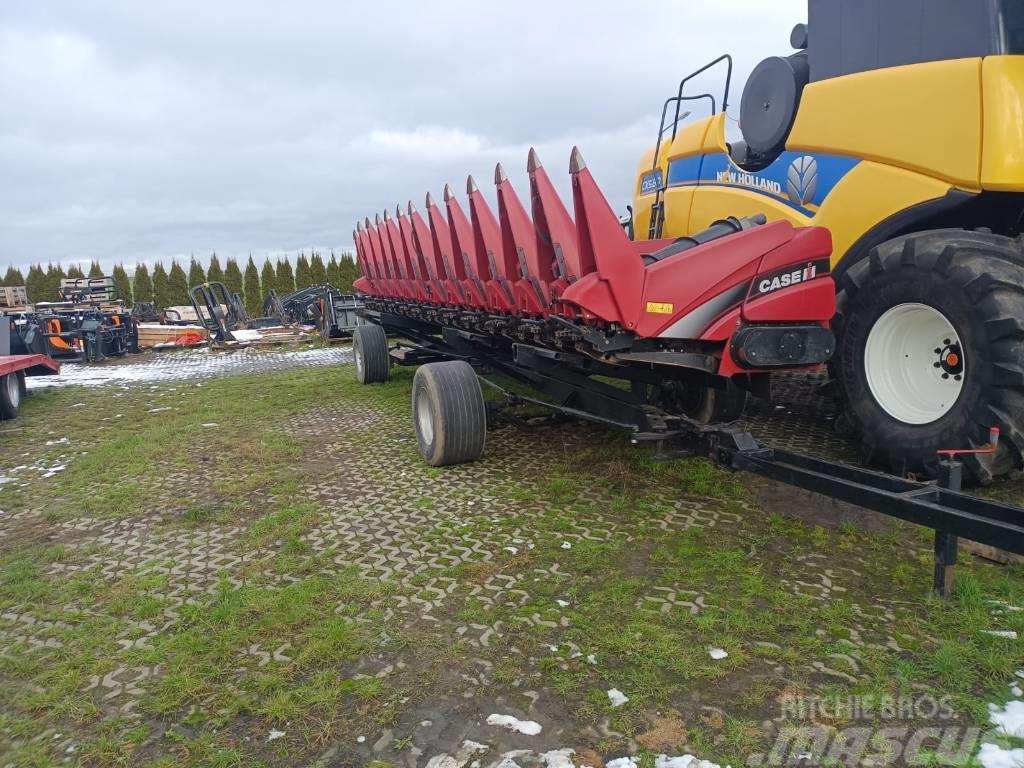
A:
{"x":449,"y":413}
{"x":930,"y":354}
{"x":370,"y":350}
{"x":12,"y":390}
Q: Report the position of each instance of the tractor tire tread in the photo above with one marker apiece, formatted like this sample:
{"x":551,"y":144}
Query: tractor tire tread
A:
{"x":987,"y":269}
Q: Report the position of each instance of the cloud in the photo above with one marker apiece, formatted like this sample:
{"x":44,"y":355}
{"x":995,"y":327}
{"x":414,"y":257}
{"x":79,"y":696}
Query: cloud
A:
{"x":141,"y":131}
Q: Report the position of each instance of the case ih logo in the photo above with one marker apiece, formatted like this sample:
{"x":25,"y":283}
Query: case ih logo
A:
{"x":802,"y":180}
{"x":784,"y":278}
{"x":650,"y":182}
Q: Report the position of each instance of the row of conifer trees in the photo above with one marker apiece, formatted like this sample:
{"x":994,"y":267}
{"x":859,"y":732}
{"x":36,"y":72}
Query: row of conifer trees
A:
{"x":165,"y":287}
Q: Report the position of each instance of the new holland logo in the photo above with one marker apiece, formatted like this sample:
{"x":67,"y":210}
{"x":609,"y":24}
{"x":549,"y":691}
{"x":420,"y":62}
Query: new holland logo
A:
{"x":802,"y":180}
{"x":745,"y":179}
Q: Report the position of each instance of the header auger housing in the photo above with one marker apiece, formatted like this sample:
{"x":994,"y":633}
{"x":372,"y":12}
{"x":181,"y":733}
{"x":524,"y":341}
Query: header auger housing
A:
{"x":702,"y":319}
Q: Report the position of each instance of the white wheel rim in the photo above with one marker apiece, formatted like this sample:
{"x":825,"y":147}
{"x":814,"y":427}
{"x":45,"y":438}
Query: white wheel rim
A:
{"x":914,"y":363}
{"x":13,"y":389}
{"x":425,"y":419}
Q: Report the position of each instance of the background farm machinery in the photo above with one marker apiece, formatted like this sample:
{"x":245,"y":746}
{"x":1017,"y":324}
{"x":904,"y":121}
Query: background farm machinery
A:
{"x":89,"y":323}
{"x":320,"y":308}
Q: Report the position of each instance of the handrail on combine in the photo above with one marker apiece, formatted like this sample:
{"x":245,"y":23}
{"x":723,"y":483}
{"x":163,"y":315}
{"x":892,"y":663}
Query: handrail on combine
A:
{"x":657,"y":211}
{"x":678,"y":99}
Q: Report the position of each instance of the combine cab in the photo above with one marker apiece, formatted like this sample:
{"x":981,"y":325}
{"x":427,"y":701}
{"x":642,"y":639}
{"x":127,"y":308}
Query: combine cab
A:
{"x":897,"y":127}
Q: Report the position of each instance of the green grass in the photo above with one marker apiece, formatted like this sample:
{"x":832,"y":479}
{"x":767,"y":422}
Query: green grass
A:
{"x":290,"y":637}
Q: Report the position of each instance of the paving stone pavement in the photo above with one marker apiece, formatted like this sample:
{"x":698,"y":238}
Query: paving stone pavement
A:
{"x":390,"y":517}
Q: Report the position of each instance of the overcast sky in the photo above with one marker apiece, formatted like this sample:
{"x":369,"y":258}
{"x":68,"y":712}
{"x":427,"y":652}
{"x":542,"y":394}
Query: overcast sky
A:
{"x":137,"y":131}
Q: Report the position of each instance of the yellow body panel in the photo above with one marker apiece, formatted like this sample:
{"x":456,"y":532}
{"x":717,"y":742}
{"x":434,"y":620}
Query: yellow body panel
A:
{"x":923,"y":117}
{"x":690,"y":139}
{"x":1002,"y":159}
{"x":867,"y":195}
{"x":918,"y":131}
{"x":714,"y":138}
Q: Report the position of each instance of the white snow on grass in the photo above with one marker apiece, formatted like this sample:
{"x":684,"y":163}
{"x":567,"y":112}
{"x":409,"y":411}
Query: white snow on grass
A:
{"x":994,"y":756}
{"x":57,"y":442}
{"x":192,"y":364}
{"x":558,"y":758}
{"x":617,"y":697}
{"x":664,"y":761}
{"x":1010,"y":718}
{"x":275,"y":735}
{"x":555,"y":758}
{"x":1009,"y":634}
{"x":717,"y":653}
{"x":526,"y":727}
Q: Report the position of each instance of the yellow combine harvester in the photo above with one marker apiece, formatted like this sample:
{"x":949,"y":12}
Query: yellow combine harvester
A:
{"x":899,"y":126}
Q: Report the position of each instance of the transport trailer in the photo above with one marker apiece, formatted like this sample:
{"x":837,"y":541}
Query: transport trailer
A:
{"x":452,"y":418}
{"x":662,"y":339}
{"x":14,"y":369}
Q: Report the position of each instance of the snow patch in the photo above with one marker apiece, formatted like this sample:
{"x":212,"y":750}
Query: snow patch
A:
{"x":275,"y":735}
{"x":1009,"y":634}
{"x":717,"y":653}
{"x":57,"y":442}
{"x":193,"y":364}
{"x":617,"y":697}
{"x":558,"y":758}
{"x":994,"y":756}
{"x":526,"y":727}
{"x":1010,"y":718}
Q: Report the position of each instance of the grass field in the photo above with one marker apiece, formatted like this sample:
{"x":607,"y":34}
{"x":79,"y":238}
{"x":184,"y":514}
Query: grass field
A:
{"x":258,"y":570}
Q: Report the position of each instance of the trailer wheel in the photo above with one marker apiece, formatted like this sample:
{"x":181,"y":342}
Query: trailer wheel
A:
{"x":12,"y":388}
{"x":449,"y":413}
{"x":370,"y":350}
{"x":930,"y":334}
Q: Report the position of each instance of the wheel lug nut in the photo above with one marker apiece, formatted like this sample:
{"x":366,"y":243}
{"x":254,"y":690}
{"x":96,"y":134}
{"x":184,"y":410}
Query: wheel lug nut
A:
{"x":938,"y":350}
{"x":957,"y":377}
{"x":946,"y":342}
{"x":936,"y":365}
{"x":945,"y":375}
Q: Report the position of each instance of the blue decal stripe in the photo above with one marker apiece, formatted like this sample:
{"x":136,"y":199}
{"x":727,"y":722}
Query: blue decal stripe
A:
{"x":796,"y":179}
{"x":684,"y":169}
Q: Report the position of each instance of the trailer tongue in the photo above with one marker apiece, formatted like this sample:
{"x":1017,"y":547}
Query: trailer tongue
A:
{"x":566,"y":307}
